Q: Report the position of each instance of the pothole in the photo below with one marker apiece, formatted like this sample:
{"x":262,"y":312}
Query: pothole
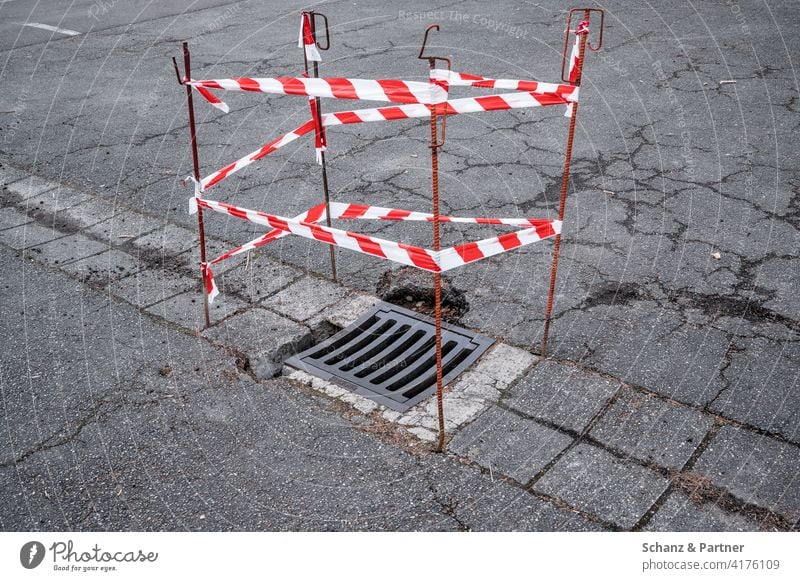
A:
{"x":413,"y":289}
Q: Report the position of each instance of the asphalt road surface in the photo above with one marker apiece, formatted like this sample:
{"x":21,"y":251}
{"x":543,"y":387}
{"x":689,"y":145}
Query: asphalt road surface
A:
{"x":679,"y":268}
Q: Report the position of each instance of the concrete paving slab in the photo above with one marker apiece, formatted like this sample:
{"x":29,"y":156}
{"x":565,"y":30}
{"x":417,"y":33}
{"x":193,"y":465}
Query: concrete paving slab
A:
{"x":505,"y":364}
{"x":493,"y":373}
{"x":9,"y":175}
{"x":122,"y":227}
{"x":11,"y":218}
{"x":472,"y":383}
{"x":595,"y":481}
{"x":651,"y":429}
{"x":680,"y":514}
{"x":55,"y":201}
{"x":346,"y":311}
{"x":306,"y":297}
{"x":754,"y":468}
{"x":458,"y":409}
{"x":561,"y":393}
{"x":91,"y":211}
{"x":101,"y":269}
{"x":259,"y":279}
{"x":321,"y":385}
{"x":28,"y":235}
{"x":167,"y":239}
{"x":424,"y":434}
{"x":268,"y":339}
{"x":151,"y":286}
{"x":30,"y":187}
{"x":509,"y":444}
{"x":186,"y":309}
{"x":759,"y":389}
{"x":214,"y":248}
{"x":67,"y":249}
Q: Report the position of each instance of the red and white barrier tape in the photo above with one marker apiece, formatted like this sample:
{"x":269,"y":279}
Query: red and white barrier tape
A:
{"x":309,"y":41}
{"x":314,"y":214}
{"x":574,"y":58}
{"x":342,"y":211}
{"x":452,"y":107}
{"x":231,"y":168}
{"x":434,"y":261}
{"x":454,"y":79}
{"x":501,"y":102}
{"x":401,"y":92}
{"x":320,"y":141}
{"x":392,"y":90}
{"x":212,"y":99}
{"x":575,"y":64}
{"x":306,"y":41}
{"x":415,"y":96}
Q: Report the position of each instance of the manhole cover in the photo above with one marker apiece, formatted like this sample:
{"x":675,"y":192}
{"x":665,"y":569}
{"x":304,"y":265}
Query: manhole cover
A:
{"x":389,"y":356}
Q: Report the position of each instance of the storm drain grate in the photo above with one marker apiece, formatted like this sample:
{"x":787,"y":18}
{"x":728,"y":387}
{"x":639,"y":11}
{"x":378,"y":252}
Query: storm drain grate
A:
{"x":389,"y":355}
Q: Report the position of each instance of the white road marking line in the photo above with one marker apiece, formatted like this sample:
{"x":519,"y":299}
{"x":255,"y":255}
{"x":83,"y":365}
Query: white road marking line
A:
{"x":66,"y":31}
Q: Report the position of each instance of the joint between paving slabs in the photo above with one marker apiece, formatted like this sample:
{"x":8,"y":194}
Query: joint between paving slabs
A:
{"x":555,"y":501}
{"x":722,"y":420}
{"x":580,"y":438}
{"x":681,"y":479}
{"x":65,"y":225}
{"x":665,"y":398}
{"x":699,"y":489}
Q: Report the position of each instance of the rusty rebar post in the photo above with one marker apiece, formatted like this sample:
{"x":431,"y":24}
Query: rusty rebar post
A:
{"x":318,"y":105}
{"x":187,"y":71}
{"x":437,"y":276}
{"x":564,"y":186}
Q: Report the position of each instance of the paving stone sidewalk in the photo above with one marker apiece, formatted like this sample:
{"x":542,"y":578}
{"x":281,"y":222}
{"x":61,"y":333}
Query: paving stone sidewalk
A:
{"x":620,"y":457}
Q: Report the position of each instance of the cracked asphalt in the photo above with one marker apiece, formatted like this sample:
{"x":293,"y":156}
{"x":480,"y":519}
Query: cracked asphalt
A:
{"x":103,"y":438}
{"x":678,"y":274}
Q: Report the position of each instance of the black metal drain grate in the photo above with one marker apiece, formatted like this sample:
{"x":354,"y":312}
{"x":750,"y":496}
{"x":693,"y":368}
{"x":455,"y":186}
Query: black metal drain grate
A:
{"x":389,"y":356}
